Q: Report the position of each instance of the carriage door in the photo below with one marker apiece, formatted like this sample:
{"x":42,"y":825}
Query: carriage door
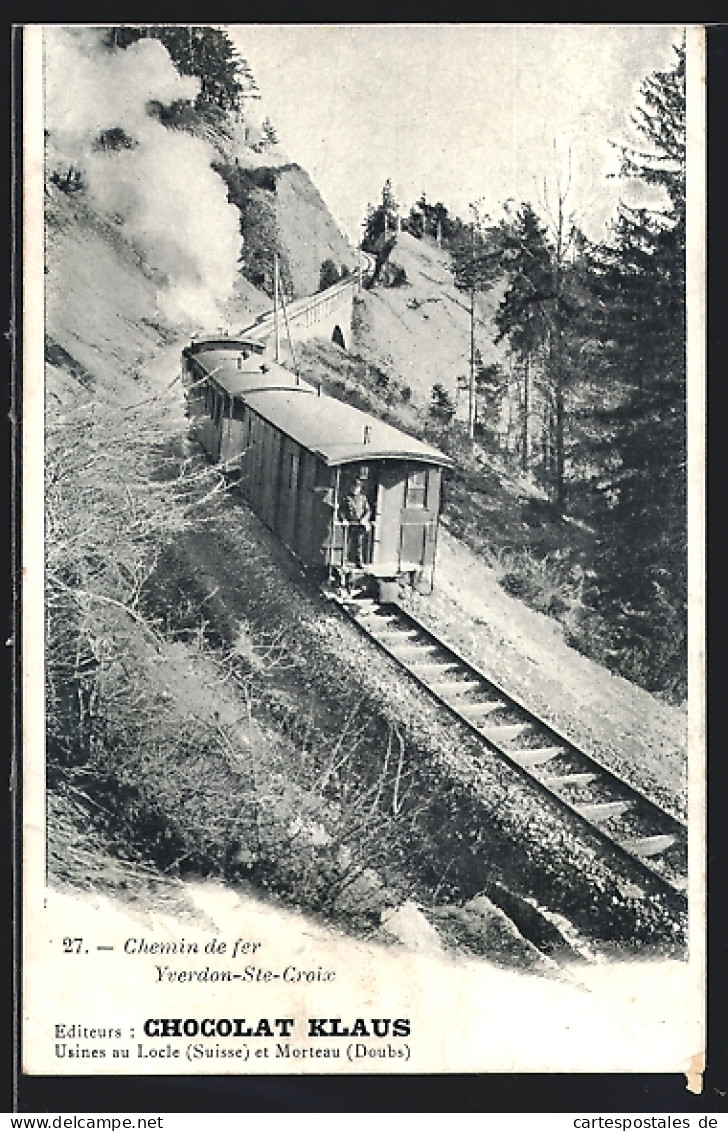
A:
{"x":390,"y":500}
{"x":419,"y":517}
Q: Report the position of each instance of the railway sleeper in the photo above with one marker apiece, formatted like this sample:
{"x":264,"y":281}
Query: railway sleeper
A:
{"x":456,"y":686}
{"x":506,"y":730}
{"x":428,"y":667}
{"x":537,"y":755}
{"x":648,"y":846}
{"x":473,"y":711}
{"x":555,"y":781}
{"x":371,"y":611}
{"x":603,"y":810}
{"x":382,"y":626}
{"x":397,"y":633}
{"x":408,"y":648}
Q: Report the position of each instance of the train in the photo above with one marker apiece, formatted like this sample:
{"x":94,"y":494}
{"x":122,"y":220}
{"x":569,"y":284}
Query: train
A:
{"x":348,"y":494}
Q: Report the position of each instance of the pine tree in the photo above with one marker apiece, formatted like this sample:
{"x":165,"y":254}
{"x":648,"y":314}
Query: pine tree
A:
{"x":381,"y":222}
{"x":539,"y":315}
{"x":206,"y":52}
{"x":269,"y":132}
{"x":380,"y":231}
{"x":642,"y":519}
{"x":476,"y":256}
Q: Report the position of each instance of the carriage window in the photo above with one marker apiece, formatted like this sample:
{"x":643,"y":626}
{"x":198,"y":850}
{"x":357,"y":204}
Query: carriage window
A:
{"x":416,"y":493}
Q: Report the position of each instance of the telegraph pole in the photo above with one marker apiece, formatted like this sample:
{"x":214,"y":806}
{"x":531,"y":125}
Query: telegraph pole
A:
{"x":526,"y":411}
{"x":472,"y":403}
{"x":276,"y":273}
{"x":471,"y":397}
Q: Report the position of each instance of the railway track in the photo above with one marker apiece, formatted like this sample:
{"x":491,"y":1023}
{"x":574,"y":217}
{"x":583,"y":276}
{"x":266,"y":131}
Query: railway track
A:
{"x":627,"y":824}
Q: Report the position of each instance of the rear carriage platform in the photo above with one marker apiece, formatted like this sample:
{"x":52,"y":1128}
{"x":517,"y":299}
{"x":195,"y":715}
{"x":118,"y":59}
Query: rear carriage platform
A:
{"x":345,"y":492}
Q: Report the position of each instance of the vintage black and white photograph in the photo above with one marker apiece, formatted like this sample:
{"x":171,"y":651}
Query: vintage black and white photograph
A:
{"x":363,"y":672}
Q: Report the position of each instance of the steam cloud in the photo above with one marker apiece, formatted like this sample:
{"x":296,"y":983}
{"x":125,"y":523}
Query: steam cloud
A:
{"x":173,"y":206}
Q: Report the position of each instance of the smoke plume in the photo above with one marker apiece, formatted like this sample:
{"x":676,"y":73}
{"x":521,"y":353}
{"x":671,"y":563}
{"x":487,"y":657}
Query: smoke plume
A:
{"x":159,"y":183}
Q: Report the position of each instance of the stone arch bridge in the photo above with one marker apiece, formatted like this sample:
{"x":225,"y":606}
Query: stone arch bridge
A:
{"x":326,"y":314}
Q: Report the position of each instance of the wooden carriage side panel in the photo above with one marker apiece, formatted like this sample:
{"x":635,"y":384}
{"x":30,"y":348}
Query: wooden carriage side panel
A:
{"x":433,"y":506}
{"x":209,"y":404}
{"x":261,"y":469}
{"x":196,"y":392}
{"x":223,"y":426}
{"x":247,"y":462}
{"x":434,"y":483}
{"x":253,"y":482}
{"x":307,"y":546}
{"x":218,"y":409}
{"x":247,"y":477}
{"x":270,"y":467}
{"x":232,"y":435}
{"x":289,"y":467}
{"x":207,"y":436}
{"x":412,"y":543}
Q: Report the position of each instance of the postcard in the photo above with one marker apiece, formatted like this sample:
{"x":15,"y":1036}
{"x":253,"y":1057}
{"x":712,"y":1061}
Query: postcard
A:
{"x":362,"y":580}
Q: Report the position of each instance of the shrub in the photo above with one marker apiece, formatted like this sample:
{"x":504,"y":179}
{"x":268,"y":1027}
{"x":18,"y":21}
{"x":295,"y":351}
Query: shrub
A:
{"x":544,"y":584}
{"x":394,"y":276}
{"x":328,"y":275}
{"x":442,"y":405}
{"x":70,"y":180}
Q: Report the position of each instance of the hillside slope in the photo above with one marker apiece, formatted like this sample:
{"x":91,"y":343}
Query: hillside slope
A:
{"x":281,"y":212}
{"x":307,"y":232}
{"x":422,"y":328}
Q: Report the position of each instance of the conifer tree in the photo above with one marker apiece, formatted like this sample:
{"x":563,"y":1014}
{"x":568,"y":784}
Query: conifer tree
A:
{"x":381,"y":222}
{"x":269,"y":132}
{"x":640,"y":287}
{"x":539,"y":315}
{"x":206,"y":52}
{"x":380,"y":231}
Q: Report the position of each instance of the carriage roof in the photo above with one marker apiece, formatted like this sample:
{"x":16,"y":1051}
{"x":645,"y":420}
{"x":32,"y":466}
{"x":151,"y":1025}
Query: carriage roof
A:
{"x":204,"y":342}
{"x":338,"y":432}
{"x":239,"y":375}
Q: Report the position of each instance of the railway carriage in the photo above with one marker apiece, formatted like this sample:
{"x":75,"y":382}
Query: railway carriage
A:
{"x":297,"y":454}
